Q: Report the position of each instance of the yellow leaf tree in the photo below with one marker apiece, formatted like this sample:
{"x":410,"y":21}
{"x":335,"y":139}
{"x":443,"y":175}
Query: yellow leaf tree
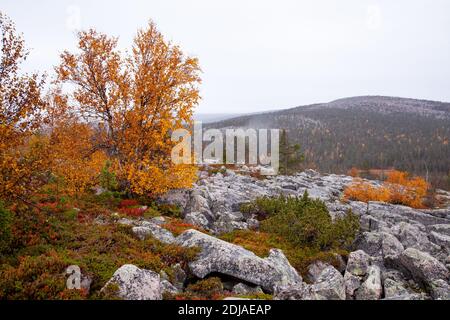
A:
{"x":75,"y":163}
{"x":22,"y":160}
{"x":135,"y":101}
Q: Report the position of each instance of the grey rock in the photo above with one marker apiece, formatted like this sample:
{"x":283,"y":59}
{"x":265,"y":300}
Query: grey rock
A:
{"x":413,"y":236}
{"x":222,"y":257}
{"x":179,"y":276}
{"x":243,"y":289}
{"x":371,"y":288}
{"x":427,"y":271}
{"x":178,"y":197}
{"x":149,"y":229}
{"x":352,"y":284}
{"x":199,"y":203}
{"x":168,"y":288}
{"x":315,"y":269}
{"x":408,"y":296}
{"x":369,"y":223}
{"x":391,"y":246}
{"x":440,"y":289}
{"x":253,"y":224}
{"x":440,"y":228}
{"x":158,"y":220}
{"x":387,"y":229}
{"x":198,"y":219}
{"x":278,"y":260}
{"x":441,"y":240}
{"x":358,"y":263}
{"x":127,"y":222}
{"x":370,"y":243}
{"x":394,"y":284}
{"x":295,"y":292}
{"x":228,"y":222}
{"x":330,"y":285}
{"x":136,"y":284}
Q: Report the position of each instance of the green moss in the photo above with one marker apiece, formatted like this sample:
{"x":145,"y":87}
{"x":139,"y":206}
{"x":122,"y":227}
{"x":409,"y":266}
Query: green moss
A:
{"x":304,"y":222}
{"x":5,"y":228}
{"x":70,"y":214}
{"x":258,"y":296}
{"x":110,"y":292}
{"x":170,"y":210}
{"x":151,"y":213}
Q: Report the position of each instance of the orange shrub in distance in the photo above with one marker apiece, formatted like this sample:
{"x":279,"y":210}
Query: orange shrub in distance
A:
{"x":398,"y":188}
{"x":353,"y":172}
{"x":363,"y":191}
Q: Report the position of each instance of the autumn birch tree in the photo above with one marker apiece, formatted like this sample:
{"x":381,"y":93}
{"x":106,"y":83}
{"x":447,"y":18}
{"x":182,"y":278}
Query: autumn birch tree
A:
{"x":21,"y":160}
{"x":135,"y":101}
{"x":75,"y":162}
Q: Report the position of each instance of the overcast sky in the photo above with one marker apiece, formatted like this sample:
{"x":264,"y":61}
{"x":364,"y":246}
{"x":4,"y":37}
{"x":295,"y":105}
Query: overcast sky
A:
{"x":260,"y":55}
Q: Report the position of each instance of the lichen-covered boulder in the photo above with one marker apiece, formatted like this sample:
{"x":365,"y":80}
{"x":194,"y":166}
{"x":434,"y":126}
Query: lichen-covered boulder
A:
{"x":229,"y":259}
{"x":329,"y":286}
{"x":371,"y":288}
{"x":427,"y":271}
{"x":150,"y":229}
{"x":315,"y":269}
{"x":135,"y":284}
{"x":358,"y":263}
{"x":243,"y":289}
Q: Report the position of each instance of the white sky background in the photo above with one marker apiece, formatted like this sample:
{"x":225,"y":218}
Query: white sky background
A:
{"x":261,"y":55}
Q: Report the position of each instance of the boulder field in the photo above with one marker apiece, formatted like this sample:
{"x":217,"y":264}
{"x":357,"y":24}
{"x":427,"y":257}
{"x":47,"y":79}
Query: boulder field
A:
{"x":401,"y":253}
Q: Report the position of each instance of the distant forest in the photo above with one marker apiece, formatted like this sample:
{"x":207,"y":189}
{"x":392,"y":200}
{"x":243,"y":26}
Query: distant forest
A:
{"x":336,"y":137}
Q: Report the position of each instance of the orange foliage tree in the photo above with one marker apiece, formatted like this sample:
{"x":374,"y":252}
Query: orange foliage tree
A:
{"x":74,"y":162}
{"x":398,"y":188}
{"x":136,"y":102}
{"x":22,"y":155}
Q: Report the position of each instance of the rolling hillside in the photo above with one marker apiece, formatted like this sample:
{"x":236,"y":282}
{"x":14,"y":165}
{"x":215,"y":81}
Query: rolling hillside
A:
{"x":365,"y":132}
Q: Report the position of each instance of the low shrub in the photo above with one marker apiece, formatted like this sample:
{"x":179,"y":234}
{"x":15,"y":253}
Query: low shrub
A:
{"x":132,"y":212}
{"x":257,"y":296}
{"x":151,"y":213}
{"x":210,"y":288}
{"x":126,"y":203}
{"x":170,"y":210}
{"x":299,"y":257}
{"x":107,"y":177}
{"x":178,"y":226}
{"x":33,"y":226}
{"x":45,"y":244}
{"x":303,"y":221}
{"x":398,"y":188}
{"x":365,"y":192}
{"x":35,"y":277}
{"x":109,"y":199}
{"x":302,"y":227}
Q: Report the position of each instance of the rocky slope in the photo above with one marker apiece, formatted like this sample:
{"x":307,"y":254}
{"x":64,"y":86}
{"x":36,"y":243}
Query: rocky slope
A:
{"x":401,"y":253}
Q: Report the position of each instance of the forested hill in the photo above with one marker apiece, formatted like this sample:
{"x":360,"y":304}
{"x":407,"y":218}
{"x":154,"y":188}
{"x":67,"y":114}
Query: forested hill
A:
{"x":366,"y":132}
